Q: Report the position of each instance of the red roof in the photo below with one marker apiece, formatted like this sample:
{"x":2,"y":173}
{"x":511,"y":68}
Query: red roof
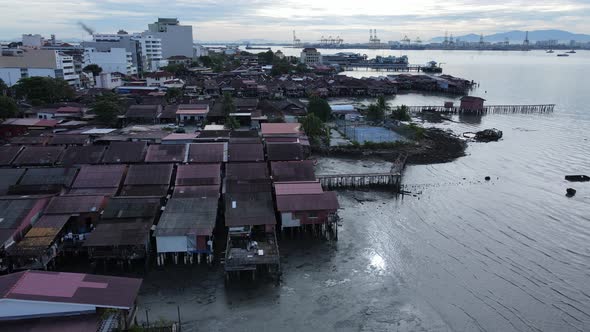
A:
{"x":77,"y":288}
{"x":298,"y":188}
{"x":69,"y":110}
{"x":207,"y":153}
{"x":198,"y":175}
{"x":75,"y":204}
{"x":280,"y":128}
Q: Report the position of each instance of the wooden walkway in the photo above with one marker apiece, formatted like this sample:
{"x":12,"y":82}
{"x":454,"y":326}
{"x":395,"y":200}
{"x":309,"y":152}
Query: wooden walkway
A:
{"x":392,"y":179}
{"x":490,"y":109}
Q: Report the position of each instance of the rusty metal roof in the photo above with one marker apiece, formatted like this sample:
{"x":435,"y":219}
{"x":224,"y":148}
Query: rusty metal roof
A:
{"x":284,"y":151}
{"x":188,"y":216}
{"x":9,"y":177}
{"x":326,"y":201}
{"x":125,"y":152}
{"x":196,"y":191}
{"x":39,"y":155}
{"x":8,"y":153}
{"x":283,"y":171}
{"x":60,"y":176}
{"x":120,"y":233}
{"x":132,"y":208}
{"x":69,"y":139}
{"x":79,"y":155}
{"x":159,"y":174}
{"x":243,"y":209}
{"x":245,"y":152}
{"x":75,"y":204}
{"x":207,"y":152}
{"x":246,"y":171}
{"x":167,"y":153}
{"x":298,"y":188}
{"x":198,"y":175}
{"x":99,"y":176}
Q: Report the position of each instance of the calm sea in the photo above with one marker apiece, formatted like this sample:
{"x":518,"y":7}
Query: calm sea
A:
{"x":461,"y":254}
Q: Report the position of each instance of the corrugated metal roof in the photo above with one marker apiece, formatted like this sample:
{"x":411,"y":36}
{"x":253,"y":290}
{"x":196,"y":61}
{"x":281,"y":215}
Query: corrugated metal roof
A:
{"x":298,"y":188}
{"x":39,"y":155}
{"x":198,"y":175}
{"x":8,"y":153}
{"x":173,"y":153}
{"x":246,"y":171}
{"x":125,"y":152}
{"x":196,"y":191}
{"x":46,"y":176}
{"x":75,"y":204}
{"x":245,"y":152}
{"x":207,"y":152}
{"x":283,"y":171}
{"x":17,"y":214}
{"x":159,"y":174}
{"x":9,"y":177}
{"x":62,"y":287}
{"x":243,"y":209}
{"x":78,"y":155}
{"x":188,"y":216}
{"x":99,"y":176}
{"x":275,"y":129}
{"x":119,"y":233}
{"x":132,"y":208}
{"x":284,"y":151}
{"x":326,"y":201}
{"x":68,"y":139}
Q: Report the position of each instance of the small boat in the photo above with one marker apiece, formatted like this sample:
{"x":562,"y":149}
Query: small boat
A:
{"x":577,"y":178}
{"x":571,"y":52}
{"x":563,"y":54}
{"x":550,"y":51}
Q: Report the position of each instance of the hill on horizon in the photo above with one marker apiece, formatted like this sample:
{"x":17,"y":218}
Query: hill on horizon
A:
{"x":517,"y":36}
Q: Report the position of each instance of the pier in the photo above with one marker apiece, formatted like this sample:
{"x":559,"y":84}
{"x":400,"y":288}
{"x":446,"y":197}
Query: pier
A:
{"x":395,"y":67}
{"x":489,"y":109}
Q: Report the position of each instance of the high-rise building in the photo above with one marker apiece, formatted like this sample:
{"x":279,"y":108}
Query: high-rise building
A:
{"x":34,"y":62}
{"x":115,"y":60}
{"x":176,"y":39}
{"x":106,"y":42}
{"x":150,"y":52}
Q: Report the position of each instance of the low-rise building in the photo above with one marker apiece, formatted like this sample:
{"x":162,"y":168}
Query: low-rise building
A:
{"x":34,"y":63}
{"x":310,"y":56}
{"x":192,"y":113}
{"x":114,"y":60}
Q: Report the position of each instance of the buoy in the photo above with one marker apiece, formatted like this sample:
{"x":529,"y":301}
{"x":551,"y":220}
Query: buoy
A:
{"x":488,"y":178}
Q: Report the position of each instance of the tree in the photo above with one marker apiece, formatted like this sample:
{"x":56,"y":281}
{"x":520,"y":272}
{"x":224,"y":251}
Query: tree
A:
{"x":401,"y":113}
{"x":228,"y":104}
{"x":107,"y":107}
{"x":266,"y":57}
{"x":44,"y":90}
{"x":315,"y":129}
{"x":232,"y":123}
{"x":301,"y":68}
{"x":206,"y":60}
{"x":382,"y":104}
{"x":320,"y":108}
{"x":173,"y":94}
{"x":280,"y":67}
{"x":375,"y":113}
{"x":93,"y":68}
{"x":176,"y":69}
{"x":3,"y":87}
{"x":8,"y":107}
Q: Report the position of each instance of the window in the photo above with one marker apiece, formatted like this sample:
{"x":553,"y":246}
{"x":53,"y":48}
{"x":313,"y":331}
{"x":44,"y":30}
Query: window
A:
{"x":312,"y":215}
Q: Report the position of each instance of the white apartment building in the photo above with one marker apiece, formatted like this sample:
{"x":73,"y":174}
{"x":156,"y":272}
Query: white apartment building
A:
{"x":107,"y":81}
{"x":150,"y":52}
{"x":34,"y":62}
{"x":33,"y":41}
{"x":310,"y":56}
{"x":176,"y":39}
{"x":114,"y":60}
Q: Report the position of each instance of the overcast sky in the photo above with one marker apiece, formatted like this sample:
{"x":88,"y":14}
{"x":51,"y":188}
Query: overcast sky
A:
{"x":275,"y":20}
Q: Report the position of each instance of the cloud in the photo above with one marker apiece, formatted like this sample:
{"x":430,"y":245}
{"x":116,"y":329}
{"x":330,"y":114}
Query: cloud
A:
{"x":274,"y":20}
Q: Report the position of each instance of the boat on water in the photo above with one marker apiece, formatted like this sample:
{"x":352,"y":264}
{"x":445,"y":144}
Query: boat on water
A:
{"x":248,"y":47}
{"x":571,"y":52}
{"x":563,"y":54}
{"x":550,"y":51}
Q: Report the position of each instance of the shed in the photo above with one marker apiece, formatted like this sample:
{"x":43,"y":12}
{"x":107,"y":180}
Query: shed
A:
{"x":39,"y":156}
{"x":125,"y":152}
{"x":167,"y":153}
{"x":17,"y":215}
{"x":143,"y":113}
{"x":283,"y":171}
{"x":186,"y":225}
{"x":472,"y":103}
{"x":280,"y":129}
{"x":207,"y":153}
{"x":79,"y":155}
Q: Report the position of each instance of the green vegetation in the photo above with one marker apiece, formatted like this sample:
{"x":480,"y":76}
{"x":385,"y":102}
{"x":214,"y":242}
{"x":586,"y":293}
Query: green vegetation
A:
{"x":315,"y":129}
{"x":176,"y":69}
{"x":266,"y":58}
{"x":43,"y":90}
{"x":401,"y":113}
{"x":3,"y":87}
{"x":228,"y":104}
{"x":418,"y":131}
{"x":8,"y":107}
{"x":93,"y":68}
{"x":280,"y":67}
{"x":173,"y":95}
{"x":375,"y":113}
{"x":107,"y":107}
{"x":320,"y":108}
{"x":232,"y":123}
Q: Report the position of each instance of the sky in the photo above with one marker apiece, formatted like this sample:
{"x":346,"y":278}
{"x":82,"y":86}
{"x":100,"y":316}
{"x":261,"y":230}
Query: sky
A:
{"x":229,"y":20}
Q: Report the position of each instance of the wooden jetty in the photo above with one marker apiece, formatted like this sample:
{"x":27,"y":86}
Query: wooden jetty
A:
{"x":489,"y":109}
{"x":395,"y":67}
{"x":391,"y":179}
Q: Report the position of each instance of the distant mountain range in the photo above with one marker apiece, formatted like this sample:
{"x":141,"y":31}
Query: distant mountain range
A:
{"x":517,"y":36}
